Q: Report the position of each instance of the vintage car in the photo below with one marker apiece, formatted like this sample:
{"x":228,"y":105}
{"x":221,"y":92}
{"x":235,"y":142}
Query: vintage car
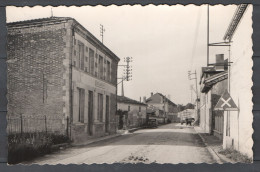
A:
{"x":189,"y":121}
{"x":152,"y":123}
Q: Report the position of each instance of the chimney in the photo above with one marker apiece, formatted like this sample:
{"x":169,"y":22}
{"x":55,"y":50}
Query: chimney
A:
{"x":219,"y":62}
{"x":151,"y":94}
{"x":144,"y":99}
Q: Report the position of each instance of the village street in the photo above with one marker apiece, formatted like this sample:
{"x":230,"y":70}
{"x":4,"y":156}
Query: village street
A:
{"x":172,"y":143}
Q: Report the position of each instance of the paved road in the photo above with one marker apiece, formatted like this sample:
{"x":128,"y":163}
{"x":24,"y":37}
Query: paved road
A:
{"x":167,"y":144}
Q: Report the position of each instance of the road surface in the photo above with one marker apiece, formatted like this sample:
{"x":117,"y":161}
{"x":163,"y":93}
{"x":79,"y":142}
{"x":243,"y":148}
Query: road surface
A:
{"x":172,"y":143}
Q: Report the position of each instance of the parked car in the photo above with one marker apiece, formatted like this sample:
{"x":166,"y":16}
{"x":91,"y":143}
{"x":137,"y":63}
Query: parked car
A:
{"x":189,"y":121}
{"x":183,"y":121}
{"x":152,"y":123}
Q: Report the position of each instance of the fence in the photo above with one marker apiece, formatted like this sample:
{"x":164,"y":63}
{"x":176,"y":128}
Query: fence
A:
{"x":37,"y":124}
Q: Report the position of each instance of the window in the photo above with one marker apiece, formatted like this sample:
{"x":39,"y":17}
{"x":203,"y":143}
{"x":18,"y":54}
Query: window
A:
{"x":108,"y":71}
{"x":100,"y":107}
{"x":91,"y":61}
{"x":104,"y":73}
{"x":100,"y":67}
{"x":139,"y":108}
{"x":81,"y":104}
{"x":86,"y":49}
{"x":81,"y":56}
{"x":128,"y":108}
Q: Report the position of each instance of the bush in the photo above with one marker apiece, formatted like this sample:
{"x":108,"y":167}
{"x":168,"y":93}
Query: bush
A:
{"x":26,"y":146}
{"x":235,"y":156}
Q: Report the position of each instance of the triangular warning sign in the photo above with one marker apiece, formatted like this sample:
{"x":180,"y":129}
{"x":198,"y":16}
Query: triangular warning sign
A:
{"x":226,"y":103}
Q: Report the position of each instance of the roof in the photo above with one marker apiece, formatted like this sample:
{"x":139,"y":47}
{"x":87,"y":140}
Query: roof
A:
{"x":123,"y":99}
{"x":39,"y":21}
{"x":216,"y":77}
{"x":56,"y":20}
{"x":212,"y":70}
{"x":235,"y":21}
{"x":165,"y":98}
{"x":207,"y":70}
{"x":210,"y":81}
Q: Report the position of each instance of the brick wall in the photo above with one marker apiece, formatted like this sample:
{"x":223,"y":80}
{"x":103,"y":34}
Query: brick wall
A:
{"x":35,"y":70}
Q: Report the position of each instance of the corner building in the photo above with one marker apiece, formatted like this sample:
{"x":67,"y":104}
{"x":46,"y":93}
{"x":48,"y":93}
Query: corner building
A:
{"x":58,"y":68}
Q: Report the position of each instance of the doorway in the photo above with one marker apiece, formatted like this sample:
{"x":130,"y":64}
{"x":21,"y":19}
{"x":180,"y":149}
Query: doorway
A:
{"x":107,"y":115}
{"x":90,"y":113}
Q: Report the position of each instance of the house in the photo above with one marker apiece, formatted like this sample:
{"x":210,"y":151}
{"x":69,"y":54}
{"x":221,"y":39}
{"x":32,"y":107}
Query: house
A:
{"x":131,"y":113}
{"x":213,"y":83}
{"x":238,"y":124}
{"x":162,"y":103}
{"x":57,"y":68}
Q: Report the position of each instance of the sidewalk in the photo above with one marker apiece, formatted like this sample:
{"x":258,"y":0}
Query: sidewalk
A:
{"x":214,"y":145}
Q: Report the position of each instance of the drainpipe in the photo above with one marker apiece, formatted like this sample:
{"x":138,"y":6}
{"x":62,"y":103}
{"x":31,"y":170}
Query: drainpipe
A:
{"x":116,"y":97}
{"x":70,"y":79}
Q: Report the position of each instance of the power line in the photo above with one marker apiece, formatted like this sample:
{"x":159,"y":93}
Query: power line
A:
{"x":196,"y":37}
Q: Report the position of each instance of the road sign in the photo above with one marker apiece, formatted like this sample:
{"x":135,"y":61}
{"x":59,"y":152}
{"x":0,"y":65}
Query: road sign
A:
{"x":226,"y":103}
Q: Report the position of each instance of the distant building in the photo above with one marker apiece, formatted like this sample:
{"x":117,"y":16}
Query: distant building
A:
{"x":162,"y":103}
{"x":238,"y":124}
{"x":131,"y":113}
{"x":187,"y":113}
{"x":57,"y":68}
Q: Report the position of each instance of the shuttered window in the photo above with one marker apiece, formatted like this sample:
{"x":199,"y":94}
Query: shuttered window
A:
{"x":81,"y":105}
{"x":91,"y":61}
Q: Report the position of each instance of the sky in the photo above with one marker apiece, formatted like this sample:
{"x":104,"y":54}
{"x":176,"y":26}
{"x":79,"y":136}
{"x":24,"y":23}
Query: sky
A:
{"x":164,"y":41}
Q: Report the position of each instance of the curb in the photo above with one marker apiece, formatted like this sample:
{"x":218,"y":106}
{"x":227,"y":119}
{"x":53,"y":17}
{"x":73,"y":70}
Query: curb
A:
{"x":95,"y":141}
{"x":211,"y":151}
{"x":105,"y":138}
{"x":134,"y":129}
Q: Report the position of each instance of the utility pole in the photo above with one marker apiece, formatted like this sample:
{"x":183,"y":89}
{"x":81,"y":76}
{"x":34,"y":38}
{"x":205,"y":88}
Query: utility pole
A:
{"x":51,"y":13}
{"x":102,"y":30}
{"x":191,"y":88}
{"x":197,"y":97}
{"x":127,"y":70}
{"x":122,"y":91}
{"x":208,"y":37}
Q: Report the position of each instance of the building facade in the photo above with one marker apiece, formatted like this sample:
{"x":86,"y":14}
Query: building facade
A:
{"x":135,"y":113}
{"x":58,"y":68}
{"x":213,"y":84}
{"x":238,"y":124}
